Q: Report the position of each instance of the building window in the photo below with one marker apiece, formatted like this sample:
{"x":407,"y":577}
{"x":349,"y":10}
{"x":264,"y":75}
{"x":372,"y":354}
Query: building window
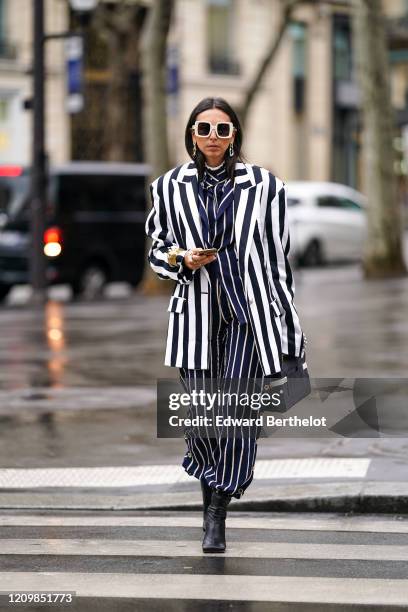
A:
{"x":7,"y":49}
{"x":4,"y":109}
{"x":221,"y":37}
{"x":298,"y":32}
{"x":346,"y":128}
{"x":342,"y":50}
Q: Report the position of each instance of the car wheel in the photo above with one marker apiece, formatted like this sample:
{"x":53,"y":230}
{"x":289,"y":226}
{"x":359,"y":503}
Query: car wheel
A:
{"x":4,"y":291}
{"x":91,"y":283}
{"x":313,"y":254}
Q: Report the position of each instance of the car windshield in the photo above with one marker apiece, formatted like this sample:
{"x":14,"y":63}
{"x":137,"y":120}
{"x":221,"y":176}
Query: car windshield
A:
{"x":13,"y":194}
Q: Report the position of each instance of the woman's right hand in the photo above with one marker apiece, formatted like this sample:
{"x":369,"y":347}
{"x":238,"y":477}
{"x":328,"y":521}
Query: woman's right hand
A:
{"x":194,"y":260}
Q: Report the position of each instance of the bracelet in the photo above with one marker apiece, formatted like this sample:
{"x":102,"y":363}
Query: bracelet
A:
{"x":172,"y":253}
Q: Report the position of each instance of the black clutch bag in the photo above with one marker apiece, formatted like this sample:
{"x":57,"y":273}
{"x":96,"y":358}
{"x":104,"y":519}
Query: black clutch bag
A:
{"x":293,"y":384}
{"x":298,"y":384}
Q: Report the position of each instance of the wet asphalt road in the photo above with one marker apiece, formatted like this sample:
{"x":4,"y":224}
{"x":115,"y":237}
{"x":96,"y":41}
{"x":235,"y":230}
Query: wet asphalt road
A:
{"x":77,"y":380}
{"x":354,"y":328}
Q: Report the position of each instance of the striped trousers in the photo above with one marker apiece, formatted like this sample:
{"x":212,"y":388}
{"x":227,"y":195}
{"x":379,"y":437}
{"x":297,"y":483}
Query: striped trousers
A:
{"x":226,"y":463}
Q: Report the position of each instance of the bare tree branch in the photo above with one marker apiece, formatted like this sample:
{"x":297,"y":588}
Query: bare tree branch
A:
{"x":288,"y":8}
{"x":253,"y":87}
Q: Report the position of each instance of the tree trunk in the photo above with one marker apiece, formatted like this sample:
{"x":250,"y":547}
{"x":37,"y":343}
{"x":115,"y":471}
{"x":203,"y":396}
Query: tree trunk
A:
{"x":154,"y":46}
{"x":155,"y":112}
{"x":383,"y":253}
{"x":121,"y":25}
{"x":116,"y":99}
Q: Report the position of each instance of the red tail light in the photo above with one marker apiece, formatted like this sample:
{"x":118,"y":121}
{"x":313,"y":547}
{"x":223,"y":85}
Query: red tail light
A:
{"x":11,"y":171}
{"x":53,"y":234}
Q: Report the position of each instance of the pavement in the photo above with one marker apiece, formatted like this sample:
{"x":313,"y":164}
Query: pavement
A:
{"x":77,"y":394}
{"x":349,"y":485}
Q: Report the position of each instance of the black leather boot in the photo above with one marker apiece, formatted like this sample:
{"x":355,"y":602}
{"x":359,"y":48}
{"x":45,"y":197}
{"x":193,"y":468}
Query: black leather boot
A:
{"x":214,"y":538}
{"x":207,"y":492}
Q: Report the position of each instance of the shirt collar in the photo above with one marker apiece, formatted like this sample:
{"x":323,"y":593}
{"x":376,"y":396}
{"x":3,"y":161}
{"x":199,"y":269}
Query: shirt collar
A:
{"x":215,"y":174}
{"x":215,"y":167}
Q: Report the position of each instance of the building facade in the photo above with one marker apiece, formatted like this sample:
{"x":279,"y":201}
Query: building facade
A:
{"x":289,"y":128}
{"x":304,"y":123}
{"x":16,"y":82}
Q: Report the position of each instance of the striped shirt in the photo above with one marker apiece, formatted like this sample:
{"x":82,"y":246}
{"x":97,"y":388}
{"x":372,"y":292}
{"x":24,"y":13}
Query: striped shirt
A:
{"x":216,"y":195}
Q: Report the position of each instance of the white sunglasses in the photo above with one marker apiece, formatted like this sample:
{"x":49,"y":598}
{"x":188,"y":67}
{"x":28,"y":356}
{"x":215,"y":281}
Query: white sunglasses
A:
{"x":223,"y":129}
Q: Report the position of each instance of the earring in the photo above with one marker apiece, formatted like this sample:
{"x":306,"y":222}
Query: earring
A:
{"x":231,"y":149}
{"x":194,"y":149}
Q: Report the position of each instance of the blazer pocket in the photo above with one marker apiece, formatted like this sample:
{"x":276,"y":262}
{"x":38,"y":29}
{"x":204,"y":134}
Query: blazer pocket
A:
{"x":176,"y":304}
{"x":275,"y":306}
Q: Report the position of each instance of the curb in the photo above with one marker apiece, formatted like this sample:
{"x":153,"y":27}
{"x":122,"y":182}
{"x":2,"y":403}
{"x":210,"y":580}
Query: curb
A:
{"x":344,"y":497}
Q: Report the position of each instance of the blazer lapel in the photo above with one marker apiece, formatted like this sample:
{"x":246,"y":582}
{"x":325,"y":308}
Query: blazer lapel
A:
{"x":187,"y":186}
{"x":247,"y":195}
{"x":203,"y":213}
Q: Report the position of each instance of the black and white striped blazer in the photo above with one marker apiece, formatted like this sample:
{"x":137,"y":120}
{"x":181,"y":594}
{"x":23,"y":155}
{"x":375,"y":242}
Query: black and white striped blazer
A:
{"x":262,"y":247}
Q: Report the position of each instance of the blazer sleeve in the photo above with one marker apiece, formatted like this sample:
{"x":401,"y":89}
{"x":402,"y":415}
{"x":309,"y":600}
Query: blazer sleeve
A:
{"x":277,"y":237}
{"x":158,"y":229}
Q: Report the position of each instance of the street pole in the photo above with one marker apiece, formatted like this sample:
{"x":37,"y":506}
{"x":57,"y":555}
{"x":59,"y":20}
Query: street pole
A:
{"x":38,"y":169}
{"x":39,"y":162}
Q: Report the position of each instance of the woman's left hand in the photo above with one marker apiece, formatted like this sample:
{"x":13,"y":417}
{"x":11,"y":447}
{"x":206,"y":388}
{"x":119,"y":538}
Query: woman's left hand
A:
{"x":194,"y":259}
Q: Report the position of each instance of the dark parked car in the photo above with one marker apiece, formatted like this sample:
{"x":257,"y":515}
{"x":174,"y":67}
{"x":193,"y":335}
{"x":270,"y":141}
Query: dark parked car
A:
{"x":94,"y":225}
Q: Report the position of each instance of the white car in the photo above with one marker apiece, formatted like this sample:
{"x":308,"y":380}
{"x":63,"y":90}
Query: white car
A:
{"x":327,"y":222}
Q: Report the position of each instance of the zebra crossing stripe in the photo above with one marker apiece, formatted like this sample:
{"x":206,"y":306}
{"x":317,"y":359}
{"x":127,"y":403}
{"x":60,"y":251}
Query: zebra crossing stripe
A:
{"x":180,"y":548}
{"x":325,"y":522}
{"x":132,"y":476}
{"x":358,"y":591}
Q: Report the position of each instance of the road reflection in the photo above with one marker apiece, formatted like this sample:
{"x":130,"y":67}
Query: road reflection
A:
{"x":56,"y":340}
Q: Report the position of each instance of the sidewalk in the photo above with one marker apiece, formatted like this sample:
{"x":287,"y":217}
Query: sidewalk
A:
{"x":316,"y":485}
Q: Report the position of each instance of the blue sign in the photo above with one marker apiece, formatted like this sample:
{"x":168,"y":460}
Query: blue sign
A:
{"x":172,"y":85}
{"x":74,"y":74}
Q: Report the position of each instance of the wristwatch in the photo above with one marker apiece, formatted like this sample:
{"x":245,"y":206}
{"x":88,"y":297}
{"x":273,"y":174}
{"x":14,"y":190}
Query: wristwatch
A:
{"x":172,"y":253}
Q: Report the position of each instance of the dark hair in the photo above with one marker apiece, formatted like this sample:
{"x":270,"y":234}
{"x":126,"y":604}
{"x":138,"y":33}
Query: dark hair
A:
{"x":199,"y":158}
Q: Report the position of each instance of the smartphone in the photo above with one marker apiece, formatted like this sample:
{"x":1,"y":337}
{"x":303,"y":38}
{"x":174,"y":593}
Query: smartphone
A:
{"x":212,"y":251}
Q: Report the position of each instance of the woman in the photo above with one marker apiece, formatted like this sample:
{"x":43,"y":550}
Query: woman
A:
{"x":232,"y":314}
